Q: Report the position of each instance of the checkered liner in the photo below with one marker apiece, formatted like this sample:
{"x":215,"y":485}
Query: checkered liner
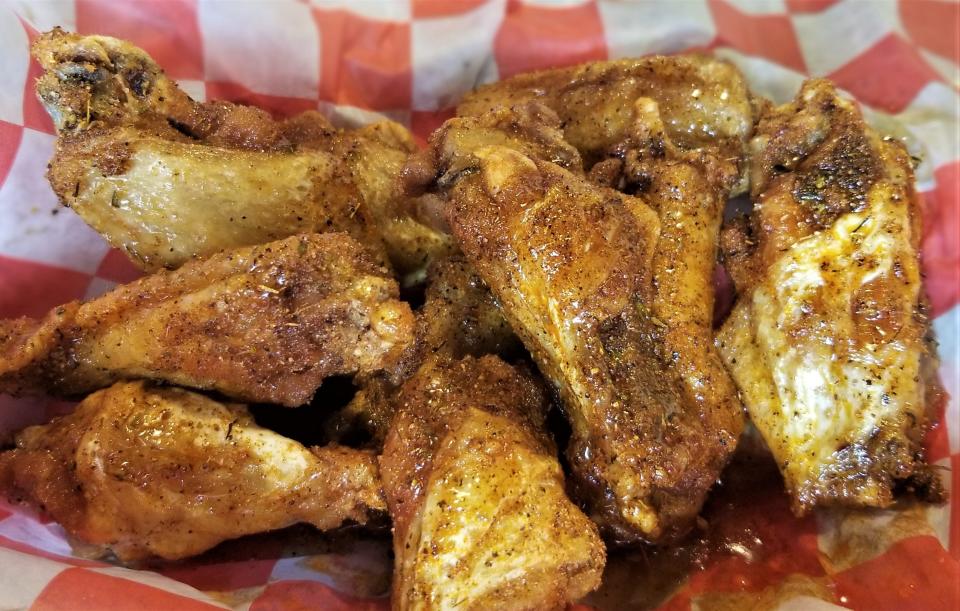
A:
{"x":411,"y":60}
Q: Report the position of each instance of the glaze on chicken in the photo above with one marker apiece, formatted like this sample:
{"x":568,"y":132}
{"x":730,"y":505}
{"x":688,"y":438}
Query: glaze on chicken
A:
{"x":829,"y":341}
{"x":612,"y":295}
{"x":572,"y":212}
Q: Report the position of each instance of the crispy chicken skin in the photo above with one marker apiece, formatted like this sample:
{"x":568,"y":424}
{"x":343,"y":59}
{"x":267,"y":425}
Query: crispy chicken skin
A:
{"x":704,"y":102}
{"x":613,"y":298}
{"x":481,"y":520}
{"x":167,"y":178}
{"x":157,"y":471}
{"x":261,"y":324}
{"x":829,"y":341}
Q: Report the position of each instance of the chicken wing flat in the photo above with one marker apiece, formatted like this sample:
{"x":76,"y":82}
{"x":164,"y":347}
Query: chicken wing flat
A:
{"x":613,"y":298}
{"x":158,"y":471}
{"x":704,"y":102}
{"x":829,"y":341}
{"x":262,"y":324}
{"x":167,"y":178}
{"x":477,"y":497}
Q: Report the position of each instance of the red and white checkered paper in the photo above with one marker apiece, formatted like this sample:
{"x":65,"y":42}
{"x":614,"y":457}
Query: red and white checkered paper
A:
{"x":411,"y":60}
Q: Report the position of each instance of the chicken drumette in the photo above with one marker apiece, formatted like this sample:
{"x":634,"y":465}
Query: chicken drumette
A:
{"x":166,"y":178}
{"x":149,"y":471}
{"x":703,"y":102}
{"x":476,"y":493}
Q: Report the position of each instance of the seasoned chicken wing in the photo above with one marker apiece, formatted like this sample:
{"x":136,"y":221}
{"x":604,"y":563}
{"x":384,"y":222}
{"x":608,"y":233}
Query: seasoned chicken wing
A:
{"x":529,"y":128}
{"x":167,"y":178}
{"x":704,"y":102}
{"x":262,"y":324}
{"x":477,"y":498}
{"x":156,"y":471}
{"x":613,"y":297}
{"x":459,"y":318}
{"x":829,"y":341}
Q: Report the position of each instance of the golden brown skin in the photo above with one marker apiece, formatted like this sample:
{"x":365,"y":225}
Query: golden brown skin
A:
{"x":615,"y":305}
{"x":459,"y":318}
{"x":166,"y":178}
{"x":704,"y":102}
{"x":477,"y":498}
{"x":148,"y":471}
{"x":261,"y":324}
{"x":829,"y":341}
{"x":530,"y":128}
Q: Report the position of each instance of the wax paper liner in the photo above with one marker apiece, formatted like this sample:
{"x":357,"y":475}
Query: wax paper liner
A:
{"x":410,"y":61}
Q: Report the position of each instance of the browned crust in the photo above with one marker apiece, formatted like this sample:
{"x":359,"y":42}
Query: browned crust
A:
{"x":266,"y":323}
{"x":433,"y":408}
{"x":534,"y":231}
{"x":109,"y":101}
{"x":811,"y":161}
{"x":594,"y":100}
{"x":78,"y":467}
{"x":431,"y":404}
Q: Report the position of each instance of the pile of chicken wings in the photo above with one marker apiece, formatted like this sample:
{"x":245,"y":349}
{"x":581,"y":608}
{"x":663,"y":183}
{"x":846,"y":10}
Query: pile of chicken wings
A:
{"x":563,"y":232}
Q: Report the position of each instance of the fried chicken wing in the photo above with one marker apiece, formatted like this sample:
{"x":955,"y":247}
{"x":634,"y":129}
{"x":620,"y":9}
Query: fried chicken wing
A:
{"x":167,"y":178}
{"x":156,"y":471}
{"x":529,"y":128}
{"x":613,"y":298}
{"x":477,"y":498}
{"x":261,"y":324}
{"x":829,"y":341}
{"x":704,"y":102}
{"x":459,"y":318}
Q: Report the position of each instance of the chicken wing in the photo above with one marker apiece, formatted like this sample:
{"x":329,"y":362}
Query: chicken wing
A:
{"x":530,"y":128}
{"x":261,"y":324}
{"x":476,"y":494}
{"x":459,"y":318}
{"x":615,"y":305}
{"x":152,"y":471}
{"x":704,"y":102}
{"x":829,"y":341}
{"x":166,"y":178}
